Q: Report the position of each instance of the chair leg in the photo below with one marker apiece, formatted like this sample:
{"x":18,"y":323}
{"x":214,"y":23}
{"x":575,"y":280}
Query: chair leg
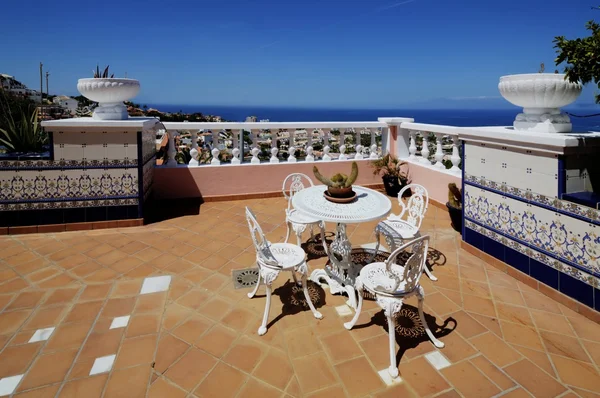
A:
{"x":287,"y":235}
{"x":322,"y":227}
{"x":263,"y":327}
{"x":258,"y":283}
{"x":299,"y":238}
{"x":421,"y":297}
{"x":360,"y":293}
{"x":316,"y":313}
{"x":393,"y":369}
{"x":377,"y":244}
{"x":295,"y":278}
{"x":429,"y":274}
{"x":312,"y":233}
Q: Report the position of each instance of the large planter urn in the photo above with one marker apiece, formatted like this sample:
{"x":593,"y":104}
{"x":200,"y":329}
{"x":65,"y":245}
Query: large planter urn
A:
{"x":109,"y":93}
{"x":541,"y":95}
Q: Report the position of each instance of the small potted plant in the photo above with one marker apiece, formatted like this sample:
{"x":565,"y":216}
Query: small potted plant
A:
{"x":340,"y":185}
{"x":389,"y":167}
{"x":109,"y":92}
{"x":454,"y":206}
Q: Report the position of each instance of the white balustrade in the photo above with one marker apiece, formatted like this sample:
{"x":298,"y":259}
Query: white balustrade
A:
{"x":309,"y":148}
{"x":274,"y":149}
{"x":215,"y":150}
{"x":172,"y":151}
{"x":194,"y":134}
{"x":439,"y":152}
{"x":342,"y":145}
{"x":359,"y":147}
{"x":236,"y":137}
{"x":255,"y":150}
{"x":292,"y":145}
{"x":326,"y":147}
{"x":455,"y":158}
{"x":425,"y":149}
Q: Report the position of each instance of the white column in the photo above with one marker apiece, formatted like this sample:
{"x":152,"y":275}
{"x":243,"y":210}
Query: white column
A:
{"x":172,"y":150}
{"x":274,"y":149}
{"x":359,"y":147}
{"x":292,"y":146}
{"x":215,"y":151}
{"x":309,"y":148}
{"x":255,"y":150}
{"x":373,"y":154}
{"x":236,"y":137}
{"x":326,"y":147}
{"x":439,"y":152}
{"x":455,"y":155}
{"x":342,"y":143}
{"x":194,"y":139}
{"x":425,"y":150}
{"x":412,"y":149}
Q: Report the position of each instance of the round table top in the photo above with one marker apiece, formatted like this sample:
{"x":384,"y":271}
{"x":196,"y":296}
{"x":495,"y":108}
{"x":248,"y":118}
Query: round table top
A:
{"x":368,"y":206}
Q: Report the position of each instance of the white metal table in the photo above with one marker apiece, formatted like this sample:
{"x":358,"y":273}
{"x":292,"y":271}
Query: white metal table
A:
{"x":370,"y":205}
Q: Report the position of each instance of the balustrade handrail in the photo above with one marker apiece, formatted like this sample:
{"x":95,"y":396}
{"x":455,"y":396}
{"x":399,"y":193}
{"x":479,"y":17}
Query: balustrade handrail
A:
{"x":431,"y":128}
{"x":268,"y":125}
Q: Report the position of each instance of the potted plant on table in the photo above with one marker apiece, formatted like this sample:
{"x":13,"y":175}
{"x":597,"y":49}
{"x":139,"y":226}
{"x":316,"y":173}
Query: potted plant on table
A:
{"x":454,"y":206}
{"x":340,"y":185}
{"x":390,"y":169}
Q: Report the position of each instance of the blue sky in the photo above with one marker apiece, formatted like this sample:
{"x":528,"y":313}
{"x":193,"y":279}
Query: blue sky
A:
{"x":378,"y":53}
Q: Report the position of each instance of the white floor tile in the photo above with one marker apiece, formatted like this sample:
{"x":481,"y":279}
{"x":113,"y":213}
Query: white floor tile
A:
{"x":119,"y":322}
{"x":102,"y":364}
{"x":344,"y":310}
{"x":41,"y":335}
{"x":9,"y":384}
{"x":437,"y":360}
{"x":387,"y":379}
{"x":156,"y":284}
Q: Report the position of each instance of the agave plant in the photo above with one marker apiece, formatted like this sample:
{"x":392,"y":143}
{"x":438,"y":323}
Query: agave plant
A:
{"x":24,"y":135}
{"x":103,"y":75}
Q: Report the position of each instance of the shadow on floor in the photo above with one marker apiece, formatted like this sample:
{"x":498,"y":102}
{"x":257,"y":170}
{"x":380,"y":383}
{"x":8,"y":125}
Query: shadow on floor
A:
{"x":166,"y":209}
{"x":409,"y":329}
{"x":293,"y":300}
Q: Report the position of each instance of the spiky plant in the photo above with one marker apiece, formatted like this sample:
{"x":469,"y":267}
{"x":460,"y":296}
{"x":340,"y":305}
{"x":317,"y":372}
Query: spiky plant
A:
{"x":454,"y":196}
{"x":103,"y":75}
{"x":25,"y":134}
{"x":390,"y":165}
{"x":339,"y":180}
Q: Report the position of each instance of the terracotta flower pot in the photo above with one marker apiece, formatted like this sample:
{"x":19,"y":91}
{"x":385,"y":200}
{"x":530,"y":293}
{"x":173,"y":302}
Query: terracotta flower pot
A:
{"x":340,"y":192}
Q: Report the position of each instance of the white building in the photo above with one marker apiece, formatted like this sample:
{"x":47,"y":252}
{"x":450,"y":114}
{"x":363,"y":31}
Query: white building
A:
{"x":68,"y":103}
{"x":10,"y":84}
{"x":251,"y":119}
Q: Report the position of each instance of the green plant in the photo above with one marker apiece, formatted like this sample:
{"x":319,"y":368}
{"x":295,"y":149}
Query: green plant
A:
{"x":582,"y":56}
{"x":103,"y":75}
{"x":24,"y":135}
{"x":339,"y":180}
{"x":454,"y":196}
{"x":542,"y":68}
{"x":390,"y":165}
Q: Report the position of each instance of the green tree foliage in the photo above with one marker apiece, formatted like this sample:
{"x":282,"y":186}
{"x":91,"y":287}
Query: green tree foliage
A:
{"x":582,"y":56}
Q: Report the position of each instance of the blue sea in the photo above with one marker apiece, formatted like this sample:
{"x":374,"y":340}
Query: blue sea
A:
{"x":451,"y":117}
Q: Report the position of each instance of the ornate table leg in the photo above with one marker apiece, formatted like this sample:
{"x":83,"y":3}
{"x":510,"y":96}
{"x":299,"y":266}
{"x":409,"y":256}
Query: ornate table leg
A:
{"x":341,"y":273}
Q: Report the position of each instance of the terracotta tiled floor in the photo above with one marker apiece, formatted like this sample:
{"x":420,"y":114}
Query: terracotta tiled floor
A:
{"x":199,"y":337}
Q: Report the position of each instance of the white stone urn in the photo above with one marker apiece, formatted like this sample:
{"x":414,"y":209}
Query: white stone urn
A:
{"x":109,"y":93}
{"x":541,"y":95}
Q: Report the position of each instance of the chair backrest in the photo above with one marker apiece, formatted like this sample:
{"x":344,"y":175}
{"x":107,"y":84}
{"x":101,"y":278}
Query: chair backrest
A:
{"x":413,"y":266}
{"x":261,"y":244}
{"x":294,"y":183}
{"x":416,"y":206}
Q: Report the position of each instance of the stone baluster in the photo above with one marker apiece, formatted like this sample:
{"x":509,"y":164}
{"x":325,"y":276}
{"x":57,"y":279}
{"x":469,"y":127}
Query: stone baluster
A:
{"x":439,"y":152}
{"x":326,"y":147}
{"x":237,"y":138}
{"x":309,"y":149}
{"x":342,"y":143}
{"x":425,"y":149}
{"x":194,"y":134}
{"x":412,"y":149}
{"x":373,"y":149}
{"x":274,"y":149}
{"x":172,"y":150}
{"x":455,"y":158}
{"x":359,"y":147}
{"x":292,"y":146}
{"x":215,"y":151}
{"x":255,"y":150}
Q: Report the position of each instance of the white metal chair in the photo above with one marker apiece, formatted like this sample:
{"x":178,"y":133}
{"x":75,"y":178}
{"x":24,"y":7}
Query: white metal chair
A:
{"x":397,"y":230}
{"x":273,"y":258}
{"x":295,"y":220}
{"x":390,"y":283}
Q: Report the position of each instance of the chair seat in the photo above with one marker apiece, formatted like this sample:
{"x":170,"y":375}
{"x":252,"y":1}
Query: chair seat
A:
{"x":300,"y":218}
{"x":398,"y":228}
{"x":287,"y":255}
{"x":376,"y":279}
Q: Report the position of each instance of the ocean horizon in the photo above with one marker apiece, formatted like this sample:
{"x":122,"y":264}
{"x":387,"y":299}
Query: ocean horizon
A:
{"x":451,"y":117}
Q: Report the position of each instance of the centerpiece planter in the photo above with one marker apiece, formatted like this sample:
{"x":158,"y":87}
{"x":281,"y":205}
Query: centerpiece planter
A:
{"x":541,"y":95}
{"x":109,"y":93}
{"x":339,"y":187}
{"x":454,"y":206}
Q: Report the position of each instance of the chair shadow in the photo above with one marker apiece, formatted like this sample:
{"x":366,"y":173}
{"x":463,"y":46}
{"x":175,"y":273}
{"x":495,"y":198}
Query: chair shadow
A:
{"x":314,"y":248}
{"x":293,"y":300}
{"x":435,"y":257}
{"x":409,"y":329}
